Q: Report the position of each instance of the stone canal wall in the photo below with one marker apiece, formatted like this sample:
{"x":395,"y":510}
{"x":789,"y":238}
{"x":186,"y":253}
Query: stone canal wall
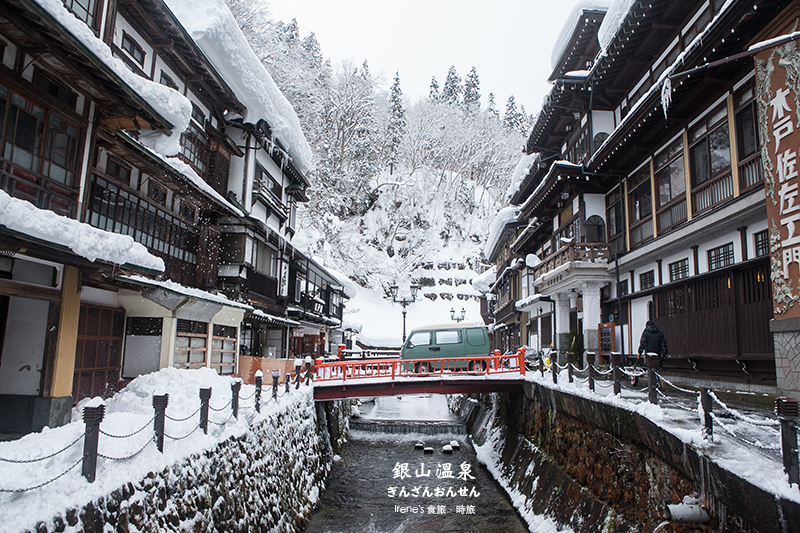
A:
{"x":598,"y":467}
{"x":268,"y":479}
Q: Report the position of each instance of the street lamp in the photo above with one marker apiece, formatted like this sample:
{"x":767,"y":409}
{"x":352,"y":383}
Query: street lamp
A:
{"x":404,"y":302}
{"x":457,"y":318}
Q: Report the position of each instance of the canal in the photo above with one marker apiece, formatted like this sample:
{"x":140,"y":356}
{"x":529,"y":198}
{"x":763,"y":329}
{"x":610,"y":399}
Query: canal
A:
{"x":382,"y":482}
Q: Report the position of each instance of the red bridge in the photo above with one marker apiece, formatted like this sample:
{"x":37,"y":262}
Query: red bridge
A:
{"x":389,"y":377}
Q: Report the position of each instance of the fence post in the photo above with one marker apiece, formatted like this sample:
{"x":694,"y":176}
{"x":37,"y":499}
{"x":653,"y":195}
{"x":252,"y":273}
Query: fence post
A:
{"x":570,"y":360}
{"x":205,"y":396}
{"x":708,"y":421}
{"x":92,"y":416}
{"x":276,"y":376}
{"x":236,"y":386}
{"x":288,"y":380}
{"x":160,"y":406}
{"x":541,"y":363}
{"x":590,"y":369}
{"x":298,"y":364}
{"x":259,"y":383}
{"x":554,"y":369}
{"x":309,"y":363}
{"x":341,"y":351}
{"x":521,"y":360}
{"x":651,"y":361}
{"x":616,"y":363}
{"x":786,"y":408}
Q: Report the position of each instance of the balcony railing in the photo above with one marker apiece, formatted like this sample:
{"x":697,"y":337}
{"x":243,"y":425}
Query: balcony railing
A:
{"x":671,"y":214}
{"x":641,"y":231}
{"x":261,"y":284}
{"x":712,"y":192}
{"x":42,"y":192}
{"x":584,"y":251}
{"x":751,"y":172}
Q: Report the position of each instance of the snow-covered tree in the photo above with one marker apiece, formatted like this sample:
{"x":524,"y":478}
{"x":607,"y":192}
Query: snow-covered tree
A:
{"x":433,"y":92}
{"x":472,"y":93}
{"x":396,"y":129}
{"x":452,"y":90}
{"x":511,"y":119}
{"x":491,"y":107}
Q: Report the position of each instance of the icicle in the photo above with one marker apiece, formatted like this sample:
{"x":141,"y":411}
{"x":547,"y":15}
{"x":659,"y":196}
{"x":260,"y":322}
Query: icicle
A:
{"x":666,"y":95}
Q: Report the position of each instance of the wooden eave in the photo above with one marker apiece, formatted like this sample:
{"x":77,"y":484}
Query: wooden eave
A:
{"x":58,"y":50}
{"x":549,"y":131}
{"x":584,"y":46}
{"x":163,"y":28}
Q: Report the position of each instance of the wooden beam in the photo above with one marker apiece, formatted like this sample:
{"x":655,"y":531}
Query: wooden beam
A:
{"x":21,"y":289}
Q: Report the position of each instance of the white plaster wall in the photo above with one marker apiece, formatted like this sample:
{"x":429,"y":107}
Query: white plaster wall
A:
{"x":123,"y":25}
{"x":602,"y":121}
{"x":595,"y":205}
{"x":639,"y":317}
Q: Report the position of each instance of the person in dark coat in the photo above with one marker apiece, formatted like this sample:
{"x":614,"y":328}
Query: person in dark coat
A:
{"x":653,"y":341}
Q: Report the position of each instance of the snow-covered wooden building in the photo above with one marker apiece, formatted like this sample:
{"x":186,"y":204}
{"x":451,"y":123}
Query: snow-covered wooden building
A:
{"x":641,"y":194}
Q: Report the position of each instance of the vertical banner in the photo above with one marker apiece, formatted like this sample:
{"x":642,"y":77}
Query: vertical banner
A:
{"x":778,"y":97}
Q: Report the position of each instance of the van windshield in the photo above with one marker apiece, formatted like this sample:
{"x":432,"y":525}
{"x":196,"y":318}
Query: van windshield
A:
{"x":419,"y":338}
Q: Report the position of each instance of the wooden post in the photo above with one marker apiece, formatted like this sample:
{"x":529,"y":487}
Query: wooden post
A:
{"x":160,"y":406}
{"x":288,"y":381}
{"x":259,"y":383}
{"x":570,"y":359}
{"x":616,"y":363}
{"x":708,"y":422}
{"x":521,"y":360}
{"x":590,"y":369}
{"x":276,"y":376}
{"x":236,"y":386}
{"x":651,"y":360}
{"x":92,"y":416}
{"x":298,"y":364}
{"x":205,"y":396}
{"x":786,"y":409}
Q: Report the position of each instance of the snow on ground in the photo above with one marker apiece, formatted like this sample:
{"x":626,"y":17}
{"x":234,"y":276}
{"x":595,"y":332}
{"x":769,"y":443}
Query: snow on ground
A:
{"x":128,"y":411}
{"x":86,"y":241}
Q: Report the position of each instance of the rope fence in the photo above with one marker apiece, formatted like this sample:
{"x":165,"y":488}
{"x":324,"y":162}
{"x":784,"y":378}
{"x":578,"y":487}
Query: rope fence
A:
{"x":93,"y":417}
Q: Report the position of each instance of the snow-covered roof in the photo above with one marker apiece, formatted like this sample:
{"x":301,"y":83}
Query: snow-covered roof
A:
{"x":563,"y":39}
{"x":484,"y":282}
{"x":183,"y":290}
{"x":521,"y":171}
{"x":86,"y":241}
{"x":348,"y":287}
{"x":614,"y":16}
{"x":504,"y":216}
{"x":167,"y":102}
{"x":258,"y":313}
{"x":213,"y":28}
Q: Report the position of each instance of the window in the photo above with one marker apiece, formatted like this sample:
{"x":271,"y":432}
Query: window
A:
{"x":83,"y":9}
{"x":690,"y":32}
{"x":679,"y":269}
{"x":595,"y":229}
{"x":276,"y":189}
{"x":721,"y":256}
{"x":762,"y":243}
{"x":223,"y":348}
{"x":156,"y":193}
{"x":193,"y":147}
{"x":614,"y":214}
{"x":266,"y":260}
{"x":198,"y":115}
{"x":37,"y":139}
{"x":190,"y":343}
{"x":187,"y":211}
{"x":623,"y":287}
{"x":419,"y":338}
{"x":710,"y":153}
{"x":130,"y":45}
{"x":56,"y":91}
{"x":640,"y":196}
{"x":449,"y":336}
{"x":670,"y":178}
{"x":647,"y":280}
{"x":746,"y":128}
{"x":168,"y":81}
{"x":118,"y":171}
{"x":264,"y":181}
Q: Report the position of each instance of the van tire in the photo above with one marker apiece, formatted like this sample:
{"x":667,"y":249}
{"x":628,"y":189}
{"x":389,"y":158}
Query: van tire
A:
{"x":416,"y":367}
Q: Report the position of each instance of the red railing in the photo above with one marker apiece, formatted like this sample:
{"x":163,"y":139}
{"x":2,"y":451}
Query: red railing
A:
{"x":489,"y":365}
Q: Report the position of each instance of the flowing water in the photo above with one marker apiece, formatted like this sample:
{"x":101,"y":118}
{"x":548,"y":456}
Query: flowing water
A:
{"x":382,"y":483}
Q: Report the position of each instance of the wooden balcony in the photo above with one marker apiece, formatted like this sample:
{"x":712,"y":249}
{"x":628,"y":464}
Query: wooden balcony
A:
{"x":671,"y":214}
{"x":751,"y":173}
{"x":712,"y":192}
{"x":641,"y":231}
{"x":39,"y":190}
{"x":583,"y":251}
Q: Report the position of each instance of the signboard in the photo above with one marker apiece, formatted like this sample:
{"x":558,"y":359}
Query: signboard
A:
{"x":606,"y":335}
{"x":298,"y":332}
{"x":778,"y":97}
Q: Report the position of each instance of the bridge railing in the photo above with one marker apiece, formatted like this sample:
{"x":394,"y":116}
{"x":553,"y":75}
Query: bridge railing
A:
{"x":400,"y":368}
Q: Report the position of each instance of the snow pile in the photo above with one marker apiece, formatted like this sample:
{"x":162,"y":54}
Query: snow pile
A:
{"x":484,"y":282}
{"x":524,"y":167}
{"x":563,"y":39}
{"x":89,"y":242}
{"x":126,"y":412}
{"x":169,"y":103}
{"x":504,"y":216}
{"x":613,"y":20}
{"x":212,"y":26}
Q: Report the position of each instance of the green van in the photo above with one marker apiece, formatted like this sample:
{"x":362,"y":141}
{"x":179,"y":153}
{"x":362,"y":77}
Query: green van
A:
{"x":446,"y":341}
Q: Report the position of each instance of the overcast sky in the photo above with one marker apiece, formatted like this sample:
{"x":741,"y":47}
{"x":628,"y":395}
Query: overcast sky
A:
{"x":509,"y":42}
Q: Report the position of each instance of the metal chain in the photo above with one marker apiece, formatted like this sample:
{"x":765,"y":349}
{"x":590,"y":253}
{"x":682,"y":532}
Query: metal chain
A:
{"x":748,"y":420}
{"x":185,"y":436}
{"x":65,"y":448}
{"x":40,"y":485}
{"x":633,"y":374}
{"x":147,"y":425}
{"x":742,"y":439}
{"x":220,"y":424}
{"x":134,"y":454}
{"x":668,"y":382}
{"x":676,"y":404}
{"x":248,"y":397}
{"x":602,"y":372}
{"x":221,"y":408}
{"x":183,"y":419}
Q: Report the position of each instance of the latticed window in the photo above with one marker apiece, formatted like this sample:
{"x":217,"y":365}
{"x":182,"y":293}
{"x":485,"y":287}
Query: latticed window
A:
{"x":133,"y":48}
{"x":647,"y":280}
{"x":84,"y":10}
{"x":223,"y":348}
{"x":194,"y":145}
{"x":710,"y":153}
{"x":190,"y":343}
{"x":762,"y":243}
{"x":720,"y":256}
{"x":669,"y":173}
{"x":679,"y":270}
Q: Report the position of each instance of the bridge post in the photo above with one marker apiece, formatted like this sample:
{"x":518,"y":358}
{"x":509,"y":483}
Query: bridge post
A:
{"x":309,"y":363}
{"x":787,"y":411}
{"x":590,"y":369}
{"x":205,"y":396}
{"x":541,"y":363}
{"x":708,"y":421}
{"x":298,"y":364}
{"x":521,"y":360}
{"x":160,"y":407}
{"x":570,"y":359}
{"x":554,"y":369}
{"x":616,"y":363}
{"x":288,"y":381}
{"x":259,"y":383}
{"x":236,"y":386}
{"x":276,"y":376}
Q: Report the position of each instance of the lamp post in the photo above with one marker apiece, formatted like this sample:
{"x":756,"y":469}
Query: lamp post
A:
{"x":404,"y":302}
{"x":457,"y":318}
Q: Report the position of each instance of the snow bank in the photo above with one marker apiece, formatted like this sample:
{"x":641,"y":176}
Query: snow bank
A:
{"x":212,"y":26}
{"x":169,"y":103}
{"x":484,"y":282}
{"x":563,"y":39}
{"x":504,"y":216}
{"x":86,"y":241}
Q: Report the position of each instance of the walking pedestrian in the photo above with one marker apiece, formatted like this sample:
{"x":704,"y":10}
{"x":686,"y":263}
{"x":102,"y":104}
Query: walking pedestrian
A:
{"x":653,"y":341}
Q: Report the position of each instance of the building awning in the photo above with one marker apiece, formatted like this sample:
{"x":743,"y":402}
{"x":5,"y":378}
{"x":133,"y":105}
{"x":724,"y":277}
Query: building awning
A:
{"x":534,"y":304}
